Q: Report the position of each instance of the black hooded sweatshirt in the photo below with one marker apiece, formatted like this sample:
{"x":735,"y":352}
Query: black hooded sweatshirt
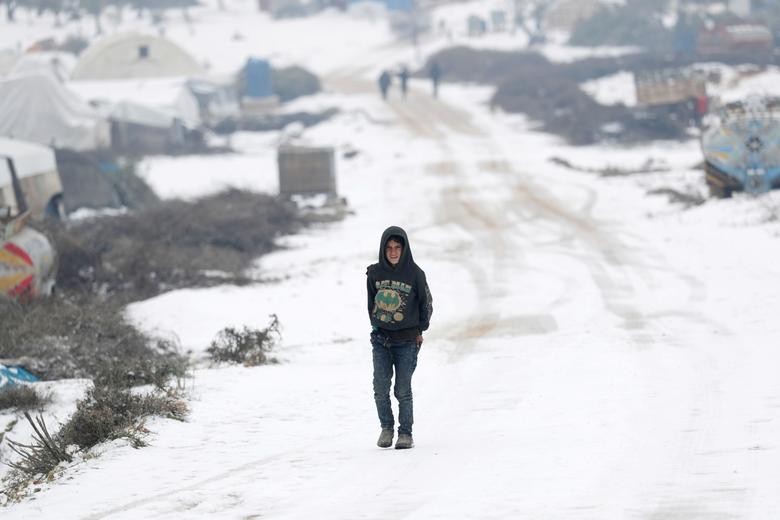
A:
{"x":399,"y":300}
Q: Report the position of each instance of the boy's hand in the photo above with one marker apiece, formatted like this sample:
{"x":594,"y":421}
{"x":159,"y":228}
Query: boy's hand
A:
{"x":419,"y":341}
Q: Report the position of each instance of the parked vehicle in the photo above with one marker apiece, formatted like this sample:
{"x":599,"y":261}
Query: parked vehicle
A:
{"x":30,"y":187}
{"x":741,"y":147}
{"x":677,"y":93}
{"x":752,"y":41}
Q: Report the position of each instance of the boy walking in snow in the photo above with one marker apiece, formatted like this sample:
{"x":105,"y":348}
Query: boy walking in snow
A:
{"x":400,"y":307}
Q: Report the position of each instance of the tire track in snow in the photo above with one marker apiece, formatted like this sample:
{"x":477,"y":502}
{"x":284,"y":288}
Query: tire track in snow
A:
{"x":225,"y":475}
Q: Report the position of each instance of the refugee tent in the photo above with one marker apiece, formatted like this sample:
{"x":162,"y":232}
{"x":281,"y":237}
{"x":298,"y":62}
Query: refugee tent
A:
{"x":134,"y":55}
{"x":140,"y":129}
{"x":36,"y":107}
{"x":148,"y":116}
{"x":166,"y":98}
{"x":58,"y":63}
{"x":217,"y":100}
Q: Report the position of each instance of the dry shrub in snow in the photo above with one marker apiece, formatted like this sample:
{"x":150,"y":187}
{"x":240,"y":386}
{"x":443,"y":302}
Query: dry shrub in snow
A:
{"x":22,"y":397}
{"x":170,"y":245}
{"x":59,"y":338}
{"x":109,"y":412}
{"x":249,"y":347}
{"x":106,"y":413}
{"x":550,"y":93}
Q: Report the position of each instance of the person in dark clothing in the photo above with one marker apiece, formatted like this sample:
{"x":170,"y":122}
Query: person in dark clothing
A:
{"x":400,"y":307}
{"x":384,"y":83}
{"x":435,"y":73}
{"x":403,"y":77}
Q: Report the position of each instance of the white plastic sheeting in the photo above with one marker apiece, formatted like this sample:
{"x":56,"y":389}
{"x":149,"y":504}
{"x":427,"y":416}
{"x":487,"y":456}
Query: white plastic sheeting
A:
{"x":151,"y":102}
{"x":36,"y":107}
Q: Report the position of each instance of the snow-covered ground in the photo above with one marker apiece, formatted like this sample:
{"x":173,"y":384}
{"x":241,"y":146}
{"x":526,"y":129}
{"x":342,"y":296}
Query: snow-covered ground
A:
{"x":595,"y":352}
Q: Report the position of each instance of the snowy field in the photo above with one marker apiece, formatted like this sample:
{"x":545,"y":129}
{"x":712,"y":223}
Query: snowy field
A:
{"x":595,"y":352}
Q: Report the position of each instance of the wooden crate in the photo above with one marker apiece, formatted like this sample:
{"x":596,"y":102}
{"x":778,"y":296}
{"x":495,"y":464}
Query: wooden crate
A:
{"x":306,"y":170}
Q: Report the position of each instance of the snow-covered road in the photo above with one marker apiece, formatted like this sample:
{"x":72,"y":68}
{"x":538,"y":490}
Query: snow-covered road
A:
{"x":583,"y":362}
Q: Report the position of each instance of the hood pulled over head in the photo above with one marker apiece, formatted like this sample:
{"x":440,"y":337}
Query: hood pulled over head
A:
{"x":406,"y":255}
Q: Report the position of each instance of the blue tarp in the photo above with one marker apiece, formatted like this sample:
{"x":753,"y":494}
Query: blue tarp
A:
{"x":10,"y":376}
{"x":258,"y":78}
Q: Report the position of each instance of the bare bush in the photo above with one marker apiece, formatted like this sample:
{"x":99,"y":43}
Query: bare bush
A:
{"x":550,"y":93}
{"x":106,"y":413}
{"x":22,"y":397}
{"x":249,"y":347}
{"x":61,"y":337}
{"x":110,"y":412}
{"x":688,"y":200}
{"x":171,"y":245}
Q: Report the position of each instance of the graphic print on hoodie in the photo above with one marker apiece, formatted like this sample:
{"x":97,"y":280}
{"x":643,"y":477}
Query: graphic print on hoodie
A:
{"x":399,"y":299}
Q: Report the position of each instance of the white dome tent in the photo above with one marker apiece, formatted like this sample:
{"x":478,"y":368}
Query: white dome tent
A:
{"x":36,"y":107}
{"x":134,"y":55}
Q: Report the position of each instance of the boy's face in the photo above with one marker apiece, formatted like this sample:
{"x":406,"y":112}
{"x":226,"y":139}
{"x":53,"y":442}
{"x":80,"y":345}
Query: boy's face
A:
{"x":393,"y":251}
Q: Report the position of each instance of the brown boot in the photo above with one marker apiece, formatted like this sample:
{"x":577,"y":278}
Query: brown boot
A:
{"x":404,"y":441}
{"x":385,"y":439}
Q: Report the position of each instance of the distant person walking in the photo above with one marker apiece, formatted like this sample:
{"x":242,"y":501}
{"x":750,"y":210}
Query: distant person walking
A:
{"x":399,"y":307}
{"x":435,"y":74}
{"x":403,"y":77}
{"x":384,"y":83}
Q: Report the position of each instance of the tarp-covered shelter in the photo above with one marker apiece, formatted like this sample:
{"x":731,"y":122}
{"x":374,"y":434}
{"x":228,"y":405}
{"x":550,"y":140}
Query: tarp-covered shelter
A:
{"x":146,"y":115}
{"x":217,"y":100}
{"x":134,"y":55}
{"x":36,"y":107}
{"x":155,"y":102}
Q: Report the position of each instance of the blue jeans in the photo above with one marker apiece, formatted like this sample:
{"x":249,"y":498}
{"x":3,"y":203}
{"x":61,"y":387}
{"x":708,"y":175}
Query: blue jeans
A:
{"x":401,"y":355}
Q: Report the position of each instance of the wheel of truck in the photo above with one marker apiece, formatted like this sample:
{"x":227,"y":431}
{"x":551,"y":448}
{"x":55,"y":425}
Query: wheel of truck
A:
{"x":718,"y":189}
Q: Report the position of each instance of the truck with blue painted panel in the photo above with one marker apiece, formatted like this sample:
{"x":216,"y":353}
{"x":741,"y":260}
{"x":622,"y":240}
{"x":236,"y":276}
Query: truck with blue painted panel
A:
{"x":741,"y":147}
